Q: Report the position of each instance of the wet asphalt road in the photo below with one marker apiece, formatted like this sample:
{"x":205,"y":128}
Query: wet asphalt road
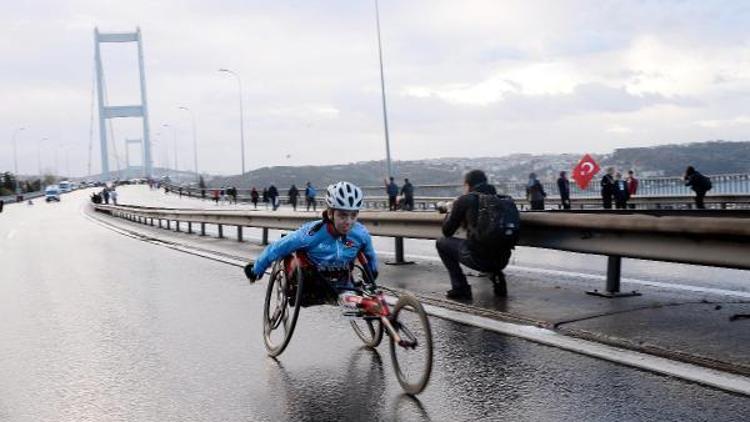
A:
{"x":96,"y":326}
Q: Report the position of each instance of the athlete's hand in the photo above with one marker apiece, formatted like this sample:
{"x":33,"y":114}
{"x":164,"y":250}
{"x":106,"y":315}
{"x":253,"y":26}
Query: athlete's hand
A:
{"x":250,"y":274}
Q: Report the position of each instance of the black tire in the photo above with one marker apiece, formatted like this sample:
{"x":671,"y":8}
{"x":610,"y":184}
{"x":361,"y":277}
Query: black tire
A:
{"x":413,"y":366}
{"x":279,"y":315}
{"x":370,"y":330}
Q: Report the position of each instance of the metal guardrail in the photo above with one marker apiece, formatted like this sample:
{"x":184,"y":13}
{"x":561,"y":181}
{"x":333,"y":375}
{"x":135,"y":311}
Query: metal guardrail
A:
{"x":9,"y":199}
{"x":698,"y":238}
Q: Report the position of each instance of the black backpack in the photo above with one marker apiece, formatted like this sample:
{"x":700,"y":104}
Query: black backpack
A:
{"x":497,"y":222}
{"x":701,"y":183}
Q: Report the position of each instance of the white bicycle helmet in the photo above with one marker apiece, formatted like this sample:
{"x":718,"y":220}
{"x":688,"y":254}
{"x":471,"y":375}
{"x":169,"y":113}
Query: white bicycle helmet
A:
{"x":344,"y":196}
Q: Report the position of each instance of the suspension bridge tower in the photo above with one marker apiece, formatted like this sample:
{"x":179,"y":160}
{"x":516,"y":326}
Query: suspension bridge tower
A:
{"x":107,"y":111}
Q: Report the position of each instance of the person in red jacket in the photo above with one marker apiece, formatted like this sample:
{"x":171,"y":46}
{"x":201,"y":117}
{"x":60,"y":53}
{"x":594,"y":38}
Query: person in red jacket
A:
{"x":632,"y":186}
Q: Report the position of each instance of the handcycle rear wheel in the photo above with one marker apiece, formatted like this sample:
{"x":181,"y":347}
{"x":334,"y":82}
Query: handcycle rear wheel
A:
{"x":412,"y":357}
{"x":369,"y":330}
{"x":281,"y":308}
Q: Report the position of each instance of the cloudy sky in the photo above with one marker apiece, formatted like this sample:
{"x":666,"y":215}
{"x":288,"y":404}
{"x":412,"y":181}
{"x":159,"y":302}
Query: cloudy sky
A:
{"x":463,"y":78}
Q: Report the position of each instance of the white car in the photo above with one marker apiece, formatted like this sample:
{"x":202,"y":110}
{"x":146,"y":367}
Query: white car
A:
{"x":65,"y":186}
{"x":52,"y":193}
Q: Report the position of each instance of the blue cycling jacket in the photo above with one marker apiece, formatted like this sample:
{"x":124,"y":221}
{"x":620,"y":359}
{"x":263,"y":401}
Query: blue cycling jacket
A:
{"x":326,"y":249}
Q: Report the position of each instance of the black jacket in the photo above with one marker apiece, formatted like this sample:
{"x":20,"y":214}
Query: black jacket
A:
{"x":293,"y":192}
{"x":563,"y":185}
{"x":608,"y":185}
{"x":407,"y":190}
{"x":698,"y":182}
{"x":464,"y":213}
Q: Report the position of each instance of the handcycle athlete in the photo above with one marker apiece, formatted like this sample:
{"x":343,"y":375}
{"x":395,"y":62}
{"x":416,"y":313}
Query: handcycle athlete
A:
{"x":332,"y":261}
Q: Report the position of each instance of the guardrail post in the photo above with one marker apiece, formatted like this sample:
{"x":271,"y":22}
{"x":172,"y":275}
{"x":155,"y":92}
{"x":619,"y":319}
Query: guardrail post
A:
{"x":221,"y":230}
{"x":169,"y":224}
{"x":203,"y":229}
{"x":177,"y":225}
{"x":190,"y":227}
{"x":614,"y":267}
{"x":264,"y":240}
{"x":159,"y":222}
{"x":399,"y":253}
{"x":239,"y":233}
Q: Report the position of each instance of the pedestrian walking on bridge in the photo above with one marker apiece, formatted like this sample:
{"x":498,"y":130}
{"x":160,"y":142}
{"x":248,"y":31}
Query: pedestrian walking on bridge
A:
{"x":310,"y":193}
{"x":264,"y":198}
{"x":273,"y":197}
{"x":293,"y":195}
{"x":608,"y":188}
{"x":408,"y":192}
{"x":535,"y":193}
{"x":254,"y":197}
{"x":621,"y":192}
{"x":563,"y":186}
{"x":113,"y":196}
{"x":632,"y":186}
{"x":391,"y":189}
{"x":700,"y":185}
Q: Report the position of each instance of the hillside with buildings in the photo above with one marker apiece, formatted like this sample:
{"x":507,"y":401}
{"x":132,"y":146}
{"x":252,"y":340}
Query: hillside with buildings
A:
{"x":665,"y":160}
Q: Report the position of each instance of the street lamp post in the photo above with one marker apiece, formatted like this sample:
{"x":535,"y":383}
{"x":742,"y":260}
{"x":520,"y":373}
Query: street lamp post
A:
{"x":174,"y":136}
{"x":195,"y":141}
{"x":15,"y":156}
{"x":39,"y":161}
{"x":242,"y":123}
{"x":382,"y":90}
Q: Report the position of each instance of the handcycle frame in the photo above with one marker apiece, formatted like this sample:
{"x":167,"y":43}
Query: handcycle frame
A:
{"x":289,"y":280}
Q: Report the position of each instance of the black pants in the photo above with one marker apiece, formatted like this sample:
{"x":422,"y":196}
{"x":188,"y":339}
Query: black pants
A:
{"x":607,"y":201}
{"x":537,"y":205}
{"x":565,"y":203}
{"x":408,"y":204}
{"x":621,"y":204}
{"x":294,"y":203}
{"x":699,"y":200}
{"x":454,"y":251}
{"x":310,"y":202}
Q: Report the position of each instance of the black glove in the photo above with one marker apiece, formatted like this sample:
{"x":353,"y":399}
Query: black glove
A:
{"x":250,"y":274}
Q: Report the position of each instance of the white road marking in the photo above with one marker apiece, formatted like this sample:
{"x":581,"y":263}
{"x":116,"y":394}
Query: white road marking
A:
{"x":706,"y":376}
{"x":673,"y":286}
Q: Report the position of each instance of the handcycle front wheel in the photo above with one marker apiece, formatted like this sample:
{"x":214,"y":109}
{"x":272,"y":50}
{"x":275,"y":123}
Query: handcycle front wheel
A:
{"x":281,"y":308}
{"x":369,"y":330}
{"x":412,"y":355}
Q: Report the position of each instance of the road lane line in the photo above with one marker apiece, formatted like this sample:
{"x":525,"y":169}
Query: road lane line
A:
{"x":674,"y":286}
{"x":698,"y":374}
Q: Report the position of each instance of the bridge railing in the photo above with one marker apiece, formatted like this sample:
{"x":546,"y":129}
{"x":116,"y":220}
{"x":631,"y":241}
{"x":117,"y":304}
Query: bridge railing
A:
{"x":699,"y":238}
{"x":376,"y":200}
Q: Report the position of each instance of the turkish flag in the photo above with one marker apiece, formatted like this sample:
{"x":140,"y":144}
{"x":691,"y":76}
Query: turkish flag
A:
{"x":585,"y":171}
